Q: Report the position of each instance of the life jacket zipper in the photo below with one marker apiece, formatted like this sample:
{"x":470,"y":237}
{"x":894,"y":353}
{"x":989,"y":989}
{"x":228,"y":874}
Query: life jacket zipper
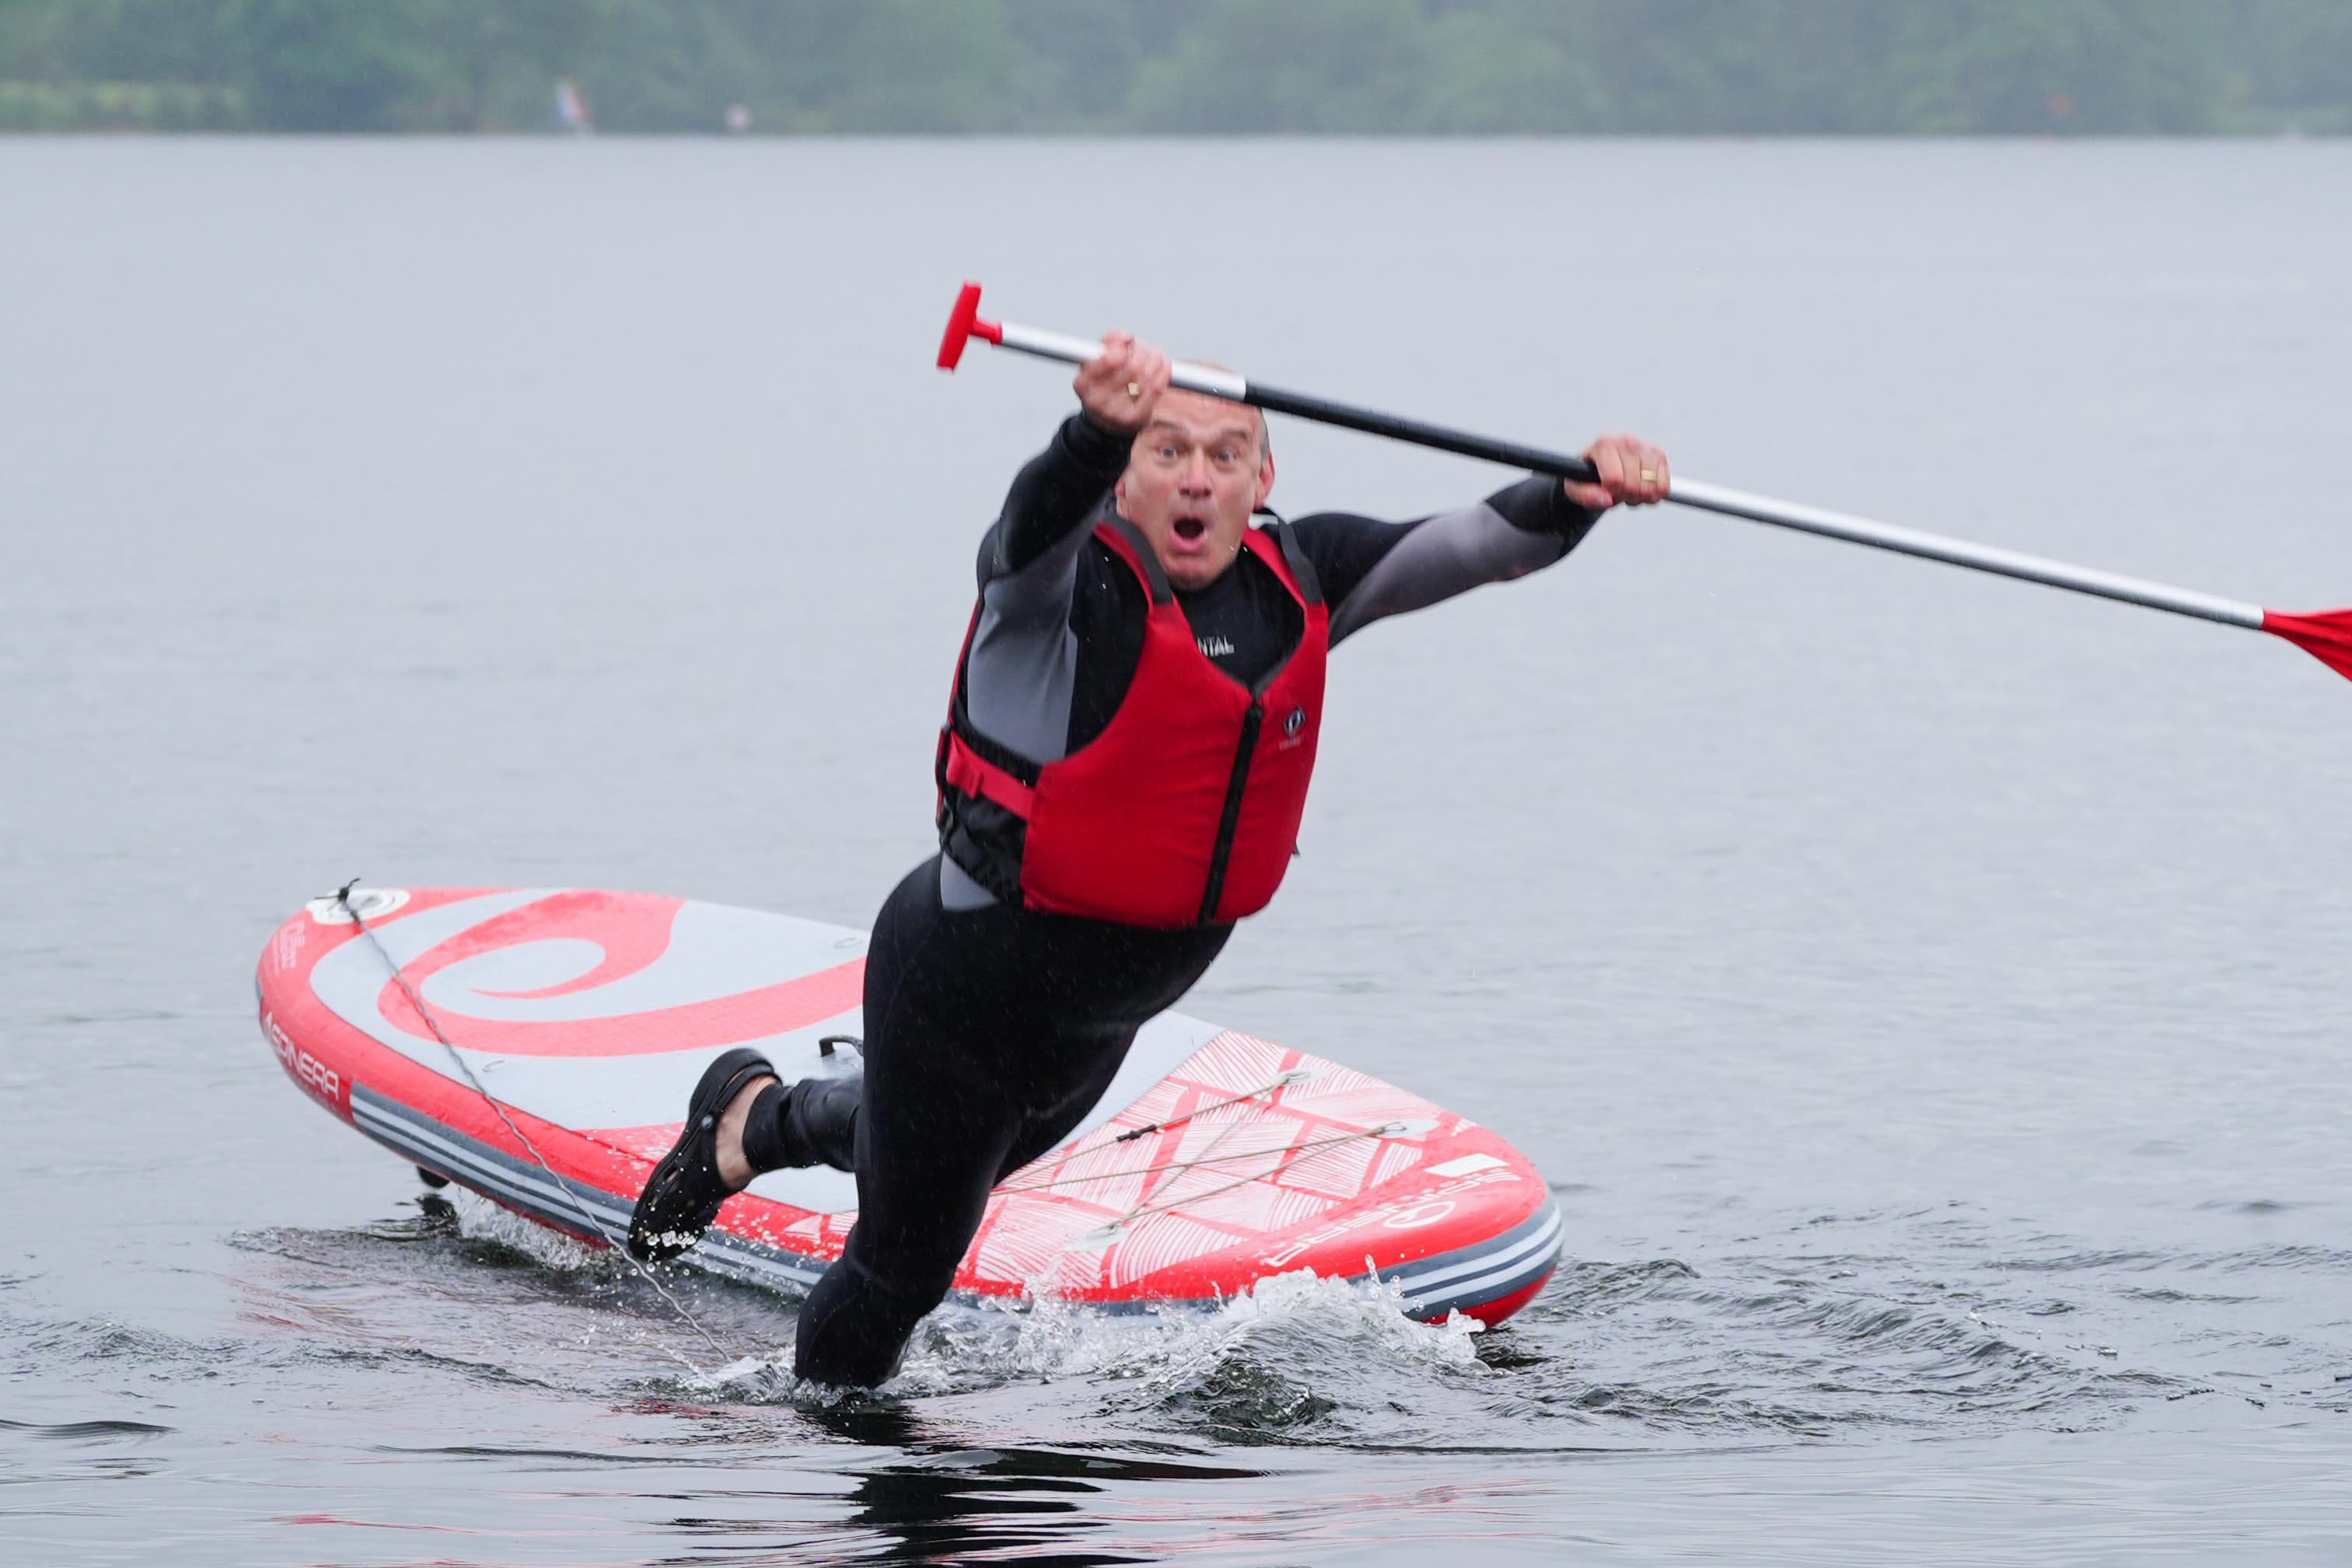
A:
{"x":1231,"y":821}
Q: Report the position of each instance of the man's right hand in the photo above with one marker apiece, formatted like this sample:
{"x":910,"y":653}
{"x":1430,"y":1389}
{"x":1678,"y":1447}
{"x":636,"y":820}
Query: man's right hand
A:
{"x":1120,"y":386}
{"x":1626,"y":471}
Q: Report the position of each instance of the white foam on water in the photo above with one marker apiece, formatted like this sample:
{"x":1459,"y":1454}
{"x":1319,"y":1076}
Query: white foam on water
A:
{"x":480,"y":1220}
{"x":1290,"y":1332}
{"x":1297,"y":1324}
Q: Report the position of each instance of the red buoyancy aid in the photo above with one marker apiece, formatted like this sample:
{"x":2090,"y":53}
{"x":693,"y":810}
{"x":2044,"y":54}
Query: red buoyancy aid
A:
{"x":1185,"y":811}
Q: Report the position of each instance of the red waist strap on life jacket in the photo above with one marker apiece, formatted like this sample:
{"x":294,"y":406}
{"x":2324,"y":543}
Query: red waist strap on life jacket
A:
{"x":1185,"y":810}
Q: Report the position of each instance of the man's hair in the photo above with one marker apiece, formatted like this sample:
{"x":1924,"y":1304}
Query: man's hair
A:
{"x":1265,"y":433}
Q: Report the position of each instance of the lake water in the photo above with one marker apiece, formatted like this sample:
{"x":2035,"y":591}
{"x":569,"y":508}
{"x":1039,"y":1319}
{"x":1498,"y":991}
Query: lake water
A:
{"x":1924,"y":992}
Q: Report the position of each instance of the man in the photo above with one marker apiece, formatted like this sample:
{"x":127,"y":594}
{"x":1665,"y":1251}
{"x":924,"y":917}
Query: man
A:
{"x":1133,"y":725}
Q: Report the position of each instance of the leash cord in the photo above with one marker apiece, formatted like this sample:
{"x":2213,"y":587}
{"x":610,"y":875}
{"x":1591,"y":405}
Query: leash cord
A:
{"x":343,"y":898}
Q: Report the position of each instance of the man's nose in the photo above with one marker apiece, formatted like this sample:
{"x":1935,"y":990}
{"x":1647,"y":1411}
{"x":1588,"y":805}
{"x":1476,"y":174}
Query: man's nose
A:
{"x":1195,"y":477}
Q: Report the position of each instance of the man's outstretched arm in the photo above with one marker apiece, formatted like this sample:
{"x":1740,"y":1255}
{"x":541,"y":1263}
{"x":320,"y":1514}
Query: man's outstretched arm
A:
{"x":1371,"y":569}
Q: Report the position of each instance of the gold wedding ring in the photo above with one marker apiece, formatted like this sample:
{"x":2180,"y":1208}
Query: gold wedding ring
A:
{"x":1135,"y":390}
{"x":1649,"y":475}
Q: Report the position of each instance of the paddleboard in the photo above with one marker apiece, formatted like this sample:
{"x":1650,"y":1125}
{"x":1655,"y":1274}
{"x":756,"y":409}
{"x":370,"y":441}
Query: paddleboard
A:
{"x":1213,"y":1160}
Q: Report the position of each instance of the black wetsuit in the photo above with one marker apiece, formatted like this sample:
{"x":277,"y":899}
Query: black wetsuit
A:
{"x":991,"y":1029}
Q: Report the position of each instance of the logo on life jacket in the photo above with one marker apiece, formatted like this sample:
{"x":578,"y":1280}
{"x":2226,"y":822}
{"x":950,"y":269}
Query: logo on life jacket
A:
{"x":1297,"y":718}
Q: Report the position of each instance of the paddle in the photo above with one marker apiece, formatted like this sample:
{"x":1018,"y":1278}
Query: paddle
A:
{"x":2326,"y":635}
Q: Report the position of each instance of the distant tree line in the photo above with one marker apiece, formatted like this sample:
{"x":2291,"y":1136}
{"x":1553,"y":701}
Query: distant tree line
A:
{"x":1191,"y":66}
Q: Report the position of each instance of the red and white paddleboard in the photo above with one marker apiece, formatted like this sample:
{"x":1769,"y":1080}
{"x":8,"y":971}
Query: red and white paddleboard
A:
{"x":589,"y":1015}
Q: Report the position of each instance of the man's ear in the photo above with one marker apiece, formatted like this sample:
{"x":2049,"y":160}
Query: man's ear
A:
{"x":1264,"y":481}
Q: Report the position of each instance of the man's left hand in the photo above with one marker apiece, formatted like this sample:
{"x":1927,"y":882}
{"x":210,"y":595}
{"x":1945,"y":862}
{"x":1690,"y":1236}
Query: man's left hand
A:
{"x":1627,"y":470}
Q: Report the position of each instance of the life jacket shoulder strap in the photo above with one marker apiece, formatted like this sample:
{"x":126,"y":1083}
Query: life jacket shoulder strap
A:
{"x":1127,"y":542}
{"x":1303,"y":581}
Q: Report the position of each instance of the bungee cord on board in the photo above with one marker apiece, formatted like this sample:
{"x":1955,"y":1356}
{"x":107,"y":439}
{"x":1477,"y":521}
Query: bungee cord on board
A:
{"x":1304,"y":1152}
{"x":1209,"y":1162}
{"x":1296,"y":1075}
{"x":1208,"y":1158}
{"x":343,"y":896}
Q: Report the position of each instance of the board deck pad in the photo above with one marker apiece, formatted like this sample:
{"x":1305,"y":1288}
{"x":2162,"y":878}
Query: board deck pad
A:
{"x":588,"y":1016}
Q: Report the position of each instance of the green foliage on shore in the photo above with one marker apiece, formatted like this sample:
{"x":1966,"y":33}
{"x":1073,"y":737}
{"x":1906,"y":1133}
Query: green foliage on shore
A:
{"x":1191,"y":66}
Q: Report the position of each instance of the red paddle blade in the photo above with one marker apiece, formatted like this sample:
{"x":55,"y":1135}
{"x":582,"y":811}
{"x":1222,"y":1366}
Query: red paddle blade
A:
{"x":2325,"y":634}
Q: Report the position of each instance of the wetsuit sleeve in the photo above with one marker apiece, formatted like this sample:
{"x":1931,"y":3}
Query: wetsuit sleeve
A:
{"x":1371,"y":569}
{"x":1038,"y":535}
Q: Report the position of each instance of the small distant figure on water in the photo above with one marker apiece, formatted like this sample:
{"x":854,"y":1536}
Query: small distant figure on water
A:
{"x":739,"y":118}
{"x":571,"y":108}
{"x":1133,"y":723}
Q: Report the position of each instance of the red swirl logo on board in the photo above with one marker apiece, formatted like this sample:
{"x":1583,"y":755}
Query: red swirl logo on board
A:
{"x":634,"y":931}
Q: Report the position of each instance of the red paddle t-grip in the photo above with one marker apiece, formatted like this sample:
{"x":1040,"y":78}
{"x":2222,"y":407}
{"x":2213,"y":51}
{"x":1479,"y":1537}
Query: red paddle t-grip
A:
{"x":963,"y":325}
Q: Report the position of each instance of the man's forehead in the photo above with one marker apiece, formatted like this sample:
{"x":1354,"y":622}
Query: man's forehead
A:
{"x":1196,"y":413}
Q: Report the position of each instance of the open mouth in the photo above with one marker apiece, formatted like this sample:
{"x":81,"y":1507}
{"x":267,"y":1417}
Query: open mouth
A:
{"x":1192,"y":530}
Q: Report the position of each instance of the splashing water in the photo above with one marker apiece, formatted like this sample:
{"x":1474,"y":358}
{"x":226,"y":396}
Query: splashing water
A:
{"x":480,"y":1220}
{"x":1234,"y":1368}
{"x":1238,"y":1369}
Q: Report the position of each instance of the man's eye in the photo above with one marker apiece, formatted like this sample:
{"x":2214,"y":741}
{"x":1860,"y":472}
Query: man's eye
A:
{"x":1225,"y":454}
{"x":1165,"y":452}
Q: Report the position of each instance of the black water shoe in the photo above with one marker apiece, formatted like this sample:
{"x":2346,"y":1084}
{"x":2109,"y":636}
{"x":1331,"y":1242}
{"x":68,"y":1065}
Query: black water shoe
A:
{"x":683,"y":1194}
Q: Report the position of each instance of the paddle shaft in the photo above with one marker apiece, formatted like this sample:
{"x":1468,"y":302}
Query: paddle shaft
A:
{"x":1686,"y":492}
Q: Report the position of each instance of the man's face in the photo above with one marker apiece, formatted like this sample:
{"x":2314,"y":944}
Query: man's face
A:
{"x":1198,"y":471}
